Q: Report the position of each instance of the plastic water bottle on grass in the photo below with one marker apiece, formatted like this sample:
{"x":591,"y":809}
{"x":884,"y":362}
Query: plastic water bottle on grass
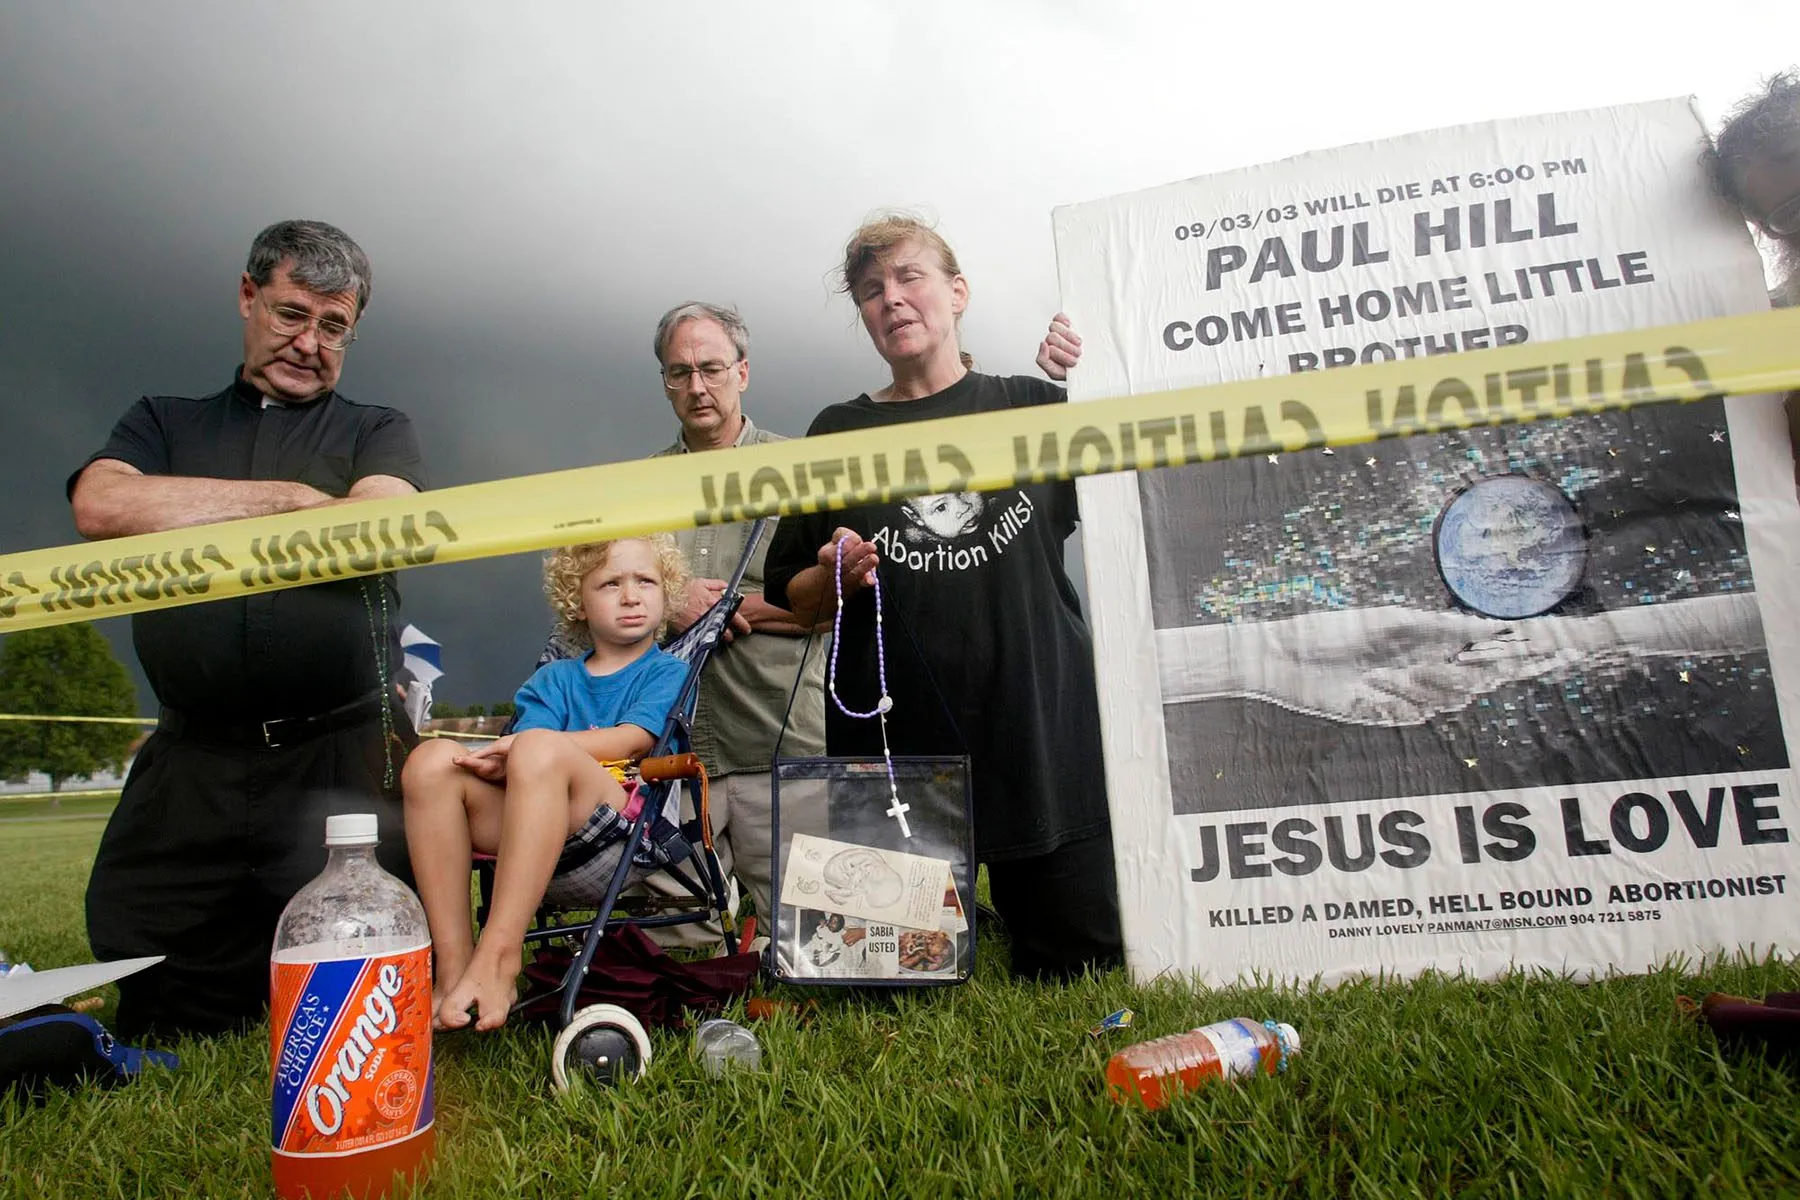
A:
{"x":723,"y":1044}
{"x":350,"y":1026}
{"x":1154,"y":1072}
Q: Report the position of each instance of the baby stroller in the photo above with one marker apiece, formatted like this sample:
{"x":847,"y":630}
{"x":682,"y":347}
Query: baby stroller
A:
{"x":606,"y":1041}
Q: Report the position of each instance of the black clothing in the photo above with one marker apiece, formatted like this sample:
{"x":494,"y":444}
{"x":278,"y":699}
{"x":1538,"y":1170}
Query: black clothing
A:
{"x":273,"y":719}
{"x":287,"y":653}
{"x":1061,"y":909}
{"x":208,"y":844}
{"x":977,"y":603}
{"x":270,"y":735}
{"x":979,"y":583}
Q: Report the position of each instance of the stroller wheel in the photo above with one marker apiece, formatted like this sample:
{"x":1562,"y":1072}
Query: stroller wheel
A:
{"x":602,"y":1043}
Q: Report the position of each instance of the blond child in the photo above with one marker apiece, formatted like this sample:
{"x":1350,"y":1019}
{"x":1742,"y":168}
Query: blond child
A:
{"x":539,"y":798}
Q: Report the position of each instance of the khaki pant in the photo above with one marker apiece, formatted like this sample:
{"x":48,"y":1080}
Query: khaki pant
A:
{"x":742,"y":820}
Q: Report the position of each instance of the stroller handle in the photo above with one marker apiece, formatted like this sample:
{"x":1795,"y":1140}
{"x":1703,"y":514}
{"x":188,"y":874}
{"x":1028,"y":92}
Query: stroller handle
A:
{"x":682,"y":766}
{"x":670,"y":766}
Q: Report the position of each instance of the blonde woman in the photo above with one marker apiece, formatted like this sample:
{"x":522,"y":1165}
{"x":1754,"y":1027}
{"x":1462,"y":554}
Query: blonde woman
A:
{"x":979,"y":582}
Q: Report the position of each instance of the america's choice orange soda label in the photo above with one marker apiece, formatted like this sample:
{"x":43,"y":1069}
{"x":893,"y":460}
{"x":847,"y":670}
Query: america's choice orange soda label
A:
{"x":350,"y":1042}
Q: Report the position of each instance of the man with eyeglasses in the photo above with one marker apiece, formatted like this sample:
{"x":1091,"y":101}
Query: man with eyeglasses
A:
{"x":277,"y":709}
{"x":703,"y":351}
{"x":1755,"y":163}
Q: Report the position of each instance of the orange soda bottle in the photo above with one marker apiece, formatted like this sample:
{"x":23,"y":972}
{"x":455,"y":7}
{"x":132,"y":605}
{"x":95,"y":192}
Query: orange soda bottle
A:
{"x":350,"y":1027}
{"x":1155,"y":1071}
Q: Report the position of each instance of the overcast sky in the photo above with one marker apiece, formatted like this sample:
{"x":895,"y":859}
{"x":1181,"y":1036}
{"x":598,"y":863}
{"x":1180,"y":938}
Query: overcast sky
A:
{"x":537,"y":183}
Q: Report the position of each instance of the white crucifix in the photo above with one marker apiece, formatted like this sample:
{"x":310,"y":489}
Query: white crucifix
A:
{"x":898,"y":810}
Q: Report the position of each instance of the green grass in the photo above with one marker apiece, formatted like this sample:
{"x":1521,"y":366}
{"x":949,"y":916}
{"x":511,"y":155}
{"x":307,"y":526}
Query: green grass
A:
{"x":71,"y":808}
{"x":1530,"y":1085}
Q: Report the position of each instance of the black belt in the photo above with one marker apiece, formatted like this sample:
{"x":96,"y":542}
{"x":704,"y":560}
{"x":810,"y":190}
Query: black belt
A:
{"x":270,"y":734}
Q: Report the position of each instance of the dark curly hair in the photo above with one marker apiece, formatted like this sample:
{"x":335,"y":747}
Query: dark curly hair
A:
{"x":1765,"y":127}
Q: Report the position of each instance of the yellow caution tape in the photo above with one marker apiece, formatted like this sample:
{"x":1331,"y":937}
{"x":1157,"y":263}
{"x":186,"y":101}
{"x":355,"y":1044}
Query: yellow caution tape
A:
{"x":148,"y":721}
{"x":88,"y":720}
{"x":987,"y":451}
{"x":69,"y":794}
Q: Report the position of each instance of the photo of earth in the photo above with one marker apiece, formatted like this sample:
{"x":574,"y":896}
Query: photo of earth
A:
{"x":1553,"y":603}
{"x":1510,"y":546}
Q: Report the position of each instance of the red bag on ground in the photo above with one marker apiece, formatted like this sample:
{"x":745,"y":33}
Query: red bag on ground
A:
{"x":633,"y":972}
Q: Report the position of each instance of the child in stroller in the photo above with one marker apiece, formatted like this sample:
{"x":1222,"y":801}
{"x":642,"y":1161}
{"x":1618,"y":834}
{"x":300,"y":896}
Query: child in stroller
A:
{"x":543,"y":799}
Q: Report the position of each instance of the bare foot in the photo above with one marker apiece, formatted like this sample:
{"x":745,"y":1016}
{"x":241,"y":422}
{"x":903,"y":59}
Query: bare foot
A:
{"x":486,"y":987}
{"x":448,"y":971}
{"x":441,"y":1018}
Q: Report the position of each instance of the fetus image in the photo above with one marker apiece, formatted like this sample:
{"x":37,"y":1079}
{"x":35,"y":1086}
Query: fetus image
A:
{"x":861,"y":875}
{"x":945,"y":515}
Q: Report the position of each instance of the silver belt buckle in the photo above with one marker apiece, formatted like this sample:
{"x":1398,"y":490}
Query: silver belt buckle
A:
{"x":268,"y":734}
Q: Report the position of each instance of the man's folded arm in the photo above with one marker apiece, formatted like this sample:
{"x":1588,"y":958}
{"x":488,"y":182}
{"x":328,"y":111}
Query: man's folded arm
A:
{"x":115,"y":499}
{"x":377,"y":487}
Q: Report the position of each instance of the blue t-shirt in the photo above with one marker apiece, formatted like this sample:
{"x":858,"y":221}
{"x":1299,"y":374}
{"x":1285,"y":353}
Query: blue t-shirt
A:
{"x":563,"y":696}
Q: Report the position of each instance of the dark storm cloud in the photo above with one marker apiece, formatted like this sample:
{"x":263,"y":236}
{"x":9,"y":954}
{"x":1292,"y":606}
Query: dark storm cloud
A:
{"x":138,"y":169}
{"x":537,"y":183}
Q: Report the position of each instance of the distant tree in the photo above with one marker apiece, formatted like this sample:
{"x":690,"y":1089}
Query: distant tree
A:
{"x":502,"y":709}
{"x":475,"y":710}
{"x":64,"y":670}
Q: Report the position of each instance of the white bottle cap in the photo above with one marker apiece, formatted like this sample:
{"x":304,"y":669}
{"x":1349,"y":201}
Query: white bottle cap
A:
{"x":351,"y":829}
{"x":1290,"y":1037}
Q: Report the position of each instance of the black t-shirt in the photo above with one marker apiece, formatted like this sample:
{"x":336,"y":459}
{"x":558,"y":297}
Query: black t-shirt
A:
{"x":295,"y":652}
{"x":978,"y":580}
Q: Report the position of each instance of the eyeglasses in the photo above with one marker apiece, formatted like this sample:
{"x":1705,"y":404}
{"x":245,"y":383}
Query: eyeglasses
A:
{"x":712,"y":374}
{"x":289,"y":321}
{"x":1783,"y":220}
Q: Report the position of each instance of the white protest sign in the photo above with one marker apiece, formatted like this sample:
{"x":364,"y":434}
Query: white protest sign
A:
{"x":22,"y":990}
{"x":1520,"y":695}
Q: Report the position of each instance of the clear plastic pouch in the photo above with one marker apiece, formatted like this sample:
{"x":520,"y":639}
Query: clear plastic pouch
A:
{"x":857,"y":902}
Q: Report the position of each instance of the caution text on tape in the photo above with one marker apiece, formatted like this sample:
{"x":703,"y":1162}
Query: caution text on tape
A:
{"x":987,"y":451}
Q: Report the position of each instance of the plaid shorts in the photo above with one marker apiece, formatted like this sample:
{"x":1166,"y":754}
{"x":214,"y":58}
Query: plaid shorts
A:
{"x":591,"y":855}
